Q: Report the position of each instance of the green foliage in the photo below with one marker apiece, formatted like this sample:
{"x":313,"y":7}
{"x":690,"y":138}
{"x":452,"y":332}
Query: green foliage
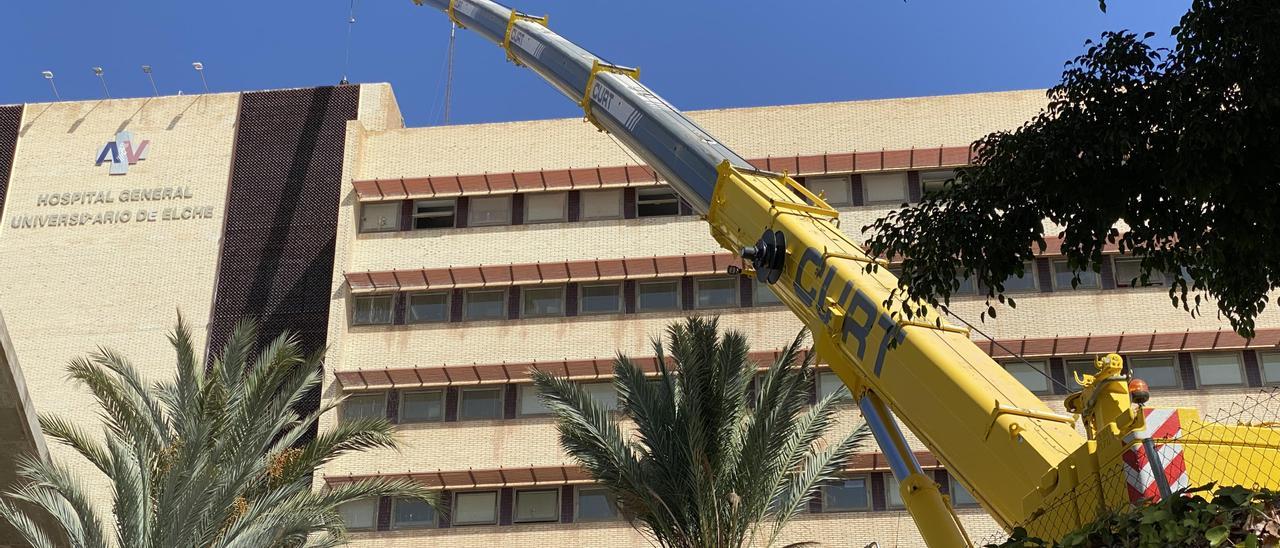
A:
{"x":1234,"y":516}
{"x":1179,"y":145}
{"x":708,"y":461}
{"x":212,"y":458}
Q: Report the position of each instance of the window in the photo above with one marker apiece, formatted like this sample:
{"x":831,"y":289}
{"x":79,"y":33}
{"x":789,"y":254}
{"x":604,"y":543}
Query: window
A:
{"x":959,"y":495}
{"x":1219,"y":369}
{"x":764,"y":295}
{"x":595,"y":504}
{"x":541,"y":302}
{"x":537,"y":505}
{"x":828,"y":383}
{"x":849,"y":494}
{"x":968,"y":286}
{"x":1062,"y":276}
{"x":602,"y":204}
{"x":604,"y":394}
{"x":545,"y":207}
{"x":892,"y":495}
{"x":1030,"y":374}
{"x":884,"y":188}
{"x":656,"y":202}
{"x":600,"y":299}
{"x":433,"y":214}
{"x":490,"y":210}
{"x":407,"y":513}
{"x":475,"y":508}
{"x":486,"y":304}
{"x":480,"y":403}
{"x":380,"y":217}
{"x":530,"y":403}
{"x":1080,"y":367}
{"x":424,"y":406}
{"x":835,"y":190}
{"x":371,"y":310}
{"x":716,"y":292}
{"x":1128,"y":272}
{"x":933,"y":181}
{"x":1270,"y":367}
{"x":363,"y":406}
{"x":1159,"y":371}
{"x":360,"y":514}
{"x":429,"y":307}
{"x":1025,"y":282}
{"x":658,"y":296}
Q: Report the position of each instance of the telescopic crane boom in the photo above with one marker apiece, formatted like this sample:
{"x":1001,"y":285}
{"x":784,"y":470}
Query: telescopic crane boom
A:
{"x":1016,"y":456}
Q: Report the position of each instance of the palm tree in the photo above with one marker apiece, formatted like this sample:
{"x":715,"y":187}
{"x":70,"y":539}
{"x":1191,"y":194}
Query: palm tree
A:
{"x":216,"y":457}
{"x":708,"y":462}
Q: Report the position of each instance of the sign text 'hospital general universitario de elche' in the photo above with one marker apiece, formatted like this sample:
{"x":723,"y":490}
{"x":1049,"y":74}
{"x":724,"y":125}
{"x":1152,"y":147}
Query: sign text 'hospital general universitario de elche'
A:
{"x":130,"y":205}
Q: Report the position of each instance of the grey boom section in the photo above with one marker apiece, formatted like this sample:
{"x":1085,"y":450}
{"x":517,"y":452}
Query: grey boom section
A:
{"x":682,"y":153}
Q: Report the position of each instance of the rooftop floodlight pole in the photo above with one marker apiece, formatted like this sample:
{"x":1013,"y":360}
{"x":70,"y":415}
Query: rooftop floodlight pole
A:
{"x":146,"y":69}
{"x":48,"y":75}
{"x":200,"y":70}
{"x":103,"y":79}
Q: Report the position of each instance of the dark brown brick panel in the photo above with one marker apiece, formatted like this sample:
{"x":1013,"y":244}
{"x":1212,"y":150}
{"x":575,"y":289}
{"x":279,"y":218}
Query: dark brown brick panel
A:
{"x":10,"y":123}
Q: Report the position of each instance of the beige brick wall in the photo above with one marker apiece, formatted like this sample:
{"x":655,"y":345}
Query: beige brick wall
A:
{"x":68,"y":289}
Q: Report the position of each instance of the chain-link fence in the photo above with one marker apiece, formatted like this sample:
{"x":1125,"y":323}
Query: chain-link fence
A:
{"x":1235,"y":445}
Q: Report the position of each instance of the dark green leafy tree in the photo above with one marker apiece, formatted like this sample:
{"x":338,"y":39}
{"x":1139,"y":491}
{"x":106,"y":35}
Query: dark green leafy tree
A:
{"x":1179,"y":145}
{"x":214,"y":457}
{"x":709,"y":461}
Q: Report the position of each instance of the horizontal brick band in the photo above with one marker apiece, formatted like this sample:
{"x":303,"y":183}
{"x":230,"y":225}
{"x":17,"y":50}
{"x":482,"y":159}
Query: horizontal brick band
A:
{"x":632,"y":175}
{"x":541,"y":273}
{"x":569,"y":475}
{"x":602,"y":368}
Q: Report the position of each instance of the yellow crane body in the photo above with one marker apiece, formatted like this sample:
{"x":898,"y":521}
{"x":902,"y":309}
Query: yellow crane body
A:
{"x":1026,"y":464}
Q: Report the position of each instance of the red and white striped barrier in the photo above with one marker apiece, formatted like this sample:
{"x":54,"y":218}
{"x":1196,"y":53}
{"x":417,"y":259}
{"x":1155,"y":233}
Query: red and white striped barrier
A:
{"x":1141,"y":479}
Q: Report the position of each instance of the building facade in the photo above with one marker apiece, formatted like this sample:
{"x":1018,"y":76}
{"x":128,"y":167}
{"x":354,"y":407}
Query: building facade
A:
{"x":439,"y":265}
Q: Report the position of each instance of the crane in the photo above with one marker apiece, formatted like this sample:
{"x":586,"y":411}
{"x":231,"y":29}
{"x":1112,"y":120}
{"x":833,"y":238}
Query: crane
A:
{"x":1022,"y":461}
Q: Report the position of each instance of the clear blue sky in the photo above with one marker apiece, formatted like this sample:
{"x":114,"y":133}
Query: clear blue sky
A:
{"x":697,"y":53}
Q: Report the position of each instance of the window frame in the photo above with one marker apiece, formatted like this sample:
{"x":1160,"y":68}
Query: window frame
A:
{"x":390,"y":298}
{"x":617,"y":400}
{"x":736,"y":292}
{"x":640,"y":200}
{"x":866,"y":487}
{"x":1262,"y":366}
{"x":848,"y":188}
{"x":372,"y":526}
{"x":462,"y":398}
{"x":1124,"y":282}
{"x":891,"y":491}
{"x":521,"y":397}
{"x":757,"y":287}
{"x":466,"y":304}
{"x":1045,"y":370}
{"x":934,"y":177}
{"x":1195,"y":361}
{"x":582,"y":298}
{"x":497,"y":497}
{"x":1173,"y":367}
{"x":524,"y":300}
{"x":1068,"y":372}
{"x":382,"y":398}
{"x":395,"y":210}
{"x":577,"y":504}
{"x":528,"y":205}
{"x":415,"y":215}
{"x":952,"y":483}
{"x":408,"y":308}
{"x":828,"y":375}
{"x":396,"y":525}
{"x":404,"y":398}
{"x":1029,"y":270}
{"x":866,"y":188}
{"x":472,"y":210}
{"x":1059,"y":286}
{"x":621,"y":203}
{"x":515,"y":505}
{"x":679,"y":301}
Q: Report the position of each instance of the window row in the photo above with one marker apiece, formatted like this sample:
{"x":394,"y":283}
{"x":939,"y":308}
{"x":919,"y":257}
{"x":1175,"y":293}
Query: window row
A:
{"x":1207,"y":369}
{"x":544,"y":301}
{"x":590,"y":503}
{"x":524,"y":208}
{"x":1122,"y":272}
{"x":486,"y":402}
{"x":486,"y":507}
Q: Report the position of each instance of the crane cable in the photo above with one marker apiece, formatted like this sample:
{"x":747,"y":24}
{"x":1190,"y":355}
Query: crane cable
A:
{"x":448,"y":81}
{"x":351,"y":23}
